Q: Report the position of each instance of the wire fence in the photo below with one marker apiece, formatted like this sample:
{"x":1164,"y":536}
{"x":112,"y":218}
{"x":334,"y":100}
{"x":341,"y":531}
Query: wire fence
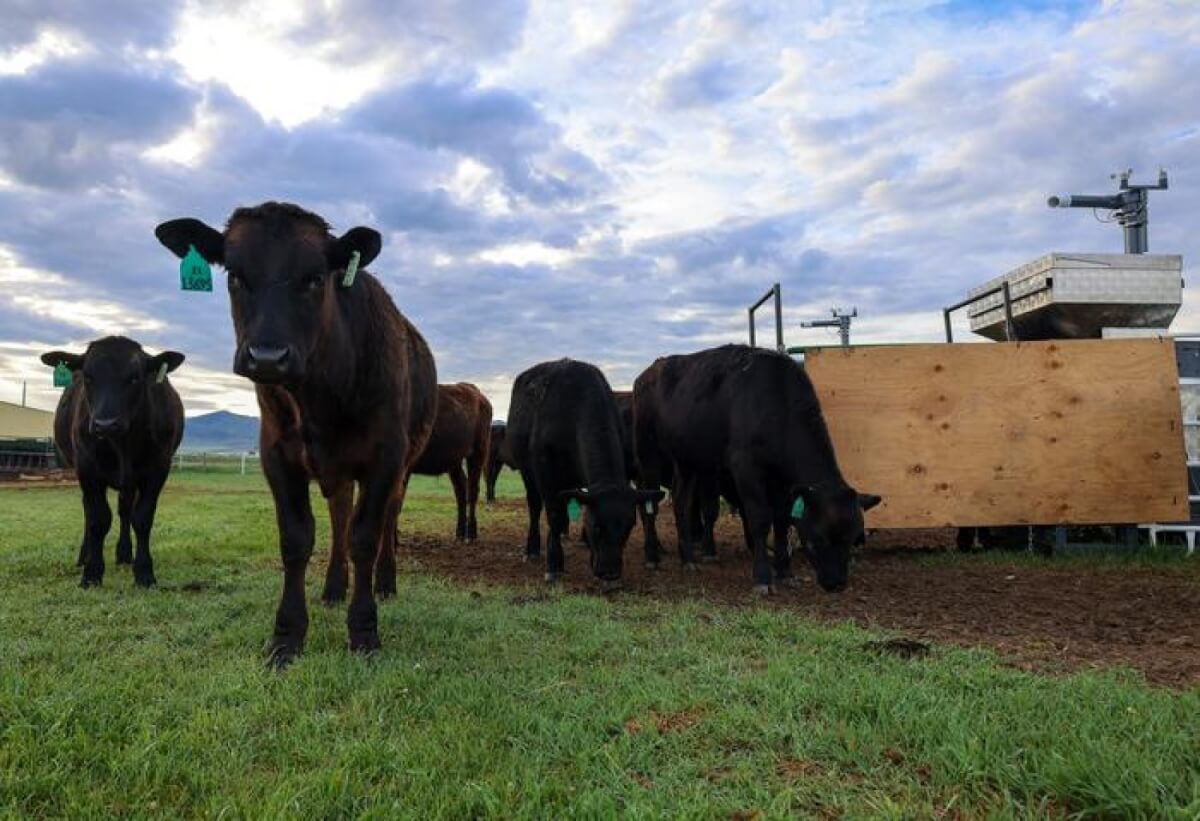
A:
{"x":215,"y":462}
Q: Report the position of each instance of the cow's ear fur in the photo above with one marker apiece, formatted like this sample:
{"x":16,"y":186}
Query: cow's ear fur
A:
{"x":178,"y":234}
{"x":73,"y":361}
{"x":868,"y":500}
{"x":172,"y":359}
{"x":366,"y":241}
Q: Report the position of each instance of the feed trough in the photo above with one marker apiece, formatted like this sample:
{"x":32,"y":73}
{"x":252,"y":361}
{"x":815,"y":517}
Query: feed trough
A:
{"x":1076,"y":296}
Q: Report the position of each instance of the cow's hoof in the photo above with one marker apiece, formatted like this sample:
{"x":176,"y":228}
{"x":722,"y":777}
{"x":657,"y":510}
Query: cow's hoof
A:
{"x":365,"y":642}
{"x":124,"y":554}
{"x":281,"y":654}
{"x":763,"y":590}
{"x":385,"y":591}
{"x":333,"y":595}
{"x":533,"y":558}
{"x":91,"y":581}
{"x":611,"y":586}
{"x":792,"y":582}
{"x":145,"y":579}
{"x":553,"y":577}
{"x":709,"y":558}
{"x":653,"y":565}
{"x":690,"y":567}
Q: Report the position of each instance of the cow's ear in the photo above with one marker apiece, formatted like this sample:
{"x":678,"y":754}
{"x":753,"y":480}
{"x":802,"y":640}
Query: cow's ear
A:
{"x":366,"y":241}
{"x":580,"y":493}
{"x":178,"y":235}
{"x":73,"y":361}
{"x":868,"y":500}
{"x":172,"y":359}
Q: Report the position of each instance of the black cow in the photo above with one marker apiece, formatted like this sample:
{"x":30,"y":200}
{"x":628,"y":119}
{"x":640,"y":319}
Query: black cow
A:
{"x":118,"y":424}
{"x":346,"y":385}
{"x":497,"y":458}
{"x":564,"y":433}
{"x":753,"y":413}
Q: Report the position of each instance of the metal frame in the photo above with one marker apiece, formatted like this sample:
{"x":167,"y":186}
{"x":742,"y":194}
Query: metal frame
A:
{"x":1002,"y":288}
{"x":773,"y":292}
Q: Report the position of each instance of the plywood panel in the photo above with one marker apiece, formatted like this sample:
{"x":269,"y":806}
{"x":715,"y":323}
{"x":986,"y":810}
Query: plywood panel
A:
{"x":1063,"y":432}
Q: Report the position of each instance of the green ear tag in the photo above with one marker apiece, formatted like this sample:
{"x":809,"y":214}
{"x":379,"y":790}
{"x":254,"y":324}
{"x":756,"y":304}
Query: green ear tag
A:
{"x":62,"y":375}
{"x":573,"y":510}
{"x":162,"y":373}
{"x":798,"y":508}
{"x":649,"y":507}
{"x":194,"y":271}
{"x":351,"y":270}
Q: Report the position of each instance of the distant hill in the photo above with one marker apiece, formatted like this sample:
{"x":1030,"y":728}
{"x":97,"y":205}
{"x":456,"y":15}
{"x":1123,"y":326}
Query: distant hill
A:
{"x":220,"y":431}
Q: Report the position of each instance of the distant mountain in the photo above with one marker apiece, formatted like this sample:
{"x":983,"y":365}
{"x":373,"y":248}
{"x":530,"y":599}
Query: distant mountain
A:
{"x":220,"y":431}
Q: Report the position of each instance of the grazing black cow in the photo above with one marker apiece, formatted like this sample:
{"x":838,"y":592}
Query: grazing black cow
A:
{"x":118,"y":424}
{"x":755,"y":414}
{"x":564,"y":433}
{"x":497,"y":458}
{"x":346,"y":385}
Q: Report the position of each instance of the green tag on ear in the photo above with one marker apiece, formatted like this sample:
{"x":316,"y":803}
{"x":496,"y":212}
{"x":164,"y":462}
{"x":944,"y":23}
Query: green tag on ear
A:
{"x":573,"y":510}
{"x":649,"y":507}
{"x":162,"y":373}
{"x":62,"y":375}
{"x":798,"y":508}
{"x":194,"y":271}
{"x":351,"y":270}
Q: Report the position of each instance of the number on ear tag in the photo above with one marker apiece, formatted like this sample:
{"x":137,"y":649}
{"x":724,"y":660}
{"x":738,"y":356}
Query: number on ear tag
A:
{"x":62,"y":375}
{"x":194,"y":271}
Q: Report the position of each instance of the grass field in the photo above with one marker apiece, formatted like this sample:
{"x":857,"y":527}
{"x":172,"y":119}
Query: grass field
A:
{"x":506,"y":702}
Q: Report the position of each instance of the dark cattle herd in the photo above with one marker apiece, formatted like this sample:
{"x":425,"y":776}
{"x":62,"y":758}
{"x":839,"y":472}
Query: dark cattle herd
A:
{"x":348,"y":394}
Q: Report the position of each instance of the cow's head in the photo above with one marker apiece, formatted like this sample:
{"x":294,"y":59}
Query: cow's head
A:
{"x":284,"y":270}
{"x":117,"y":377}
{"x":832,"y":525}
{"x":609,"y":516}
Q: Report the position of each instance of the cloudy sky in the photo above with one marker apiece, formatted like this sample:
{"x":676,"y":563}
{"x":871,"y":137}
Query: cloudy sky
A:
{"x":607,"y":180}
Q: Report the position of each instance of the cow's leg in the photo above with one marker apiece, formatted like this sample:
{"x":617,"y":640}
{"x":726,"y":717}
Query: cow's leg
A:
{"x":82,"y":556}
{"x":97,"y":518}
{"x":378,"y":503}
{"x":650,"y":543}
{"x":474,"y":469}
{"x":757,"y":518}
{"x":143,"y":521}
{"x":288,"y":481}
{"x":707,"y":509}
{"x":490,"y":476}
{"x":385,"y":562}
{"x":782,"y":530}
{"x":458,"y":480}
{"x":124,"y":543}
{"x":556,"y":520}
{"x":533,"y":499}
{"x":341,"y":505}
{"x":684,"y":500}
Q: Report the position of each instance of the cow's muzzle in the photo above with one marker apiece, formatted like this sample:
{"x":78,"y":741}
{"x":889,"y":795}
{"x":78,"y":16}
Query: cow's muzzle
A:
{"x":268,"y":364}
{"x":108,"y":426}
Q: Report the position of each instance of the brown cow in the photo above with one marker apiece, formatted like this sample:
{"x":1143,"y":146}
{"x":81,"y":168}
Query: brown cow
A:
{"x":462,"y":432}
{"x":346,"y":385}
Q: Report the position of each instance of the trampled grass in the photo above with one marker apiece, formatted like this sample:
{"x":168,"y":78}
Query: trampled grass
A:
{"x":517,"y":703}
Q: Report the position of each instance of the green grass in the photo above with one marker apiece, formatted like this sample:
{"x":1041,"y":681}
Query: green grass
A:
{"x":492,"y":702}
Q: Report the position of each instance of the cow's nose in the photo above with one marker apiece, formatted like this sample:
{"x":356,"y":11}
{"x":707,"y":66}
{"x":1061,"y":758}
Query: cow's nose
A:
{"x":266,"y":356}
{"x":106,"y":426}
{"x":268,"y":363}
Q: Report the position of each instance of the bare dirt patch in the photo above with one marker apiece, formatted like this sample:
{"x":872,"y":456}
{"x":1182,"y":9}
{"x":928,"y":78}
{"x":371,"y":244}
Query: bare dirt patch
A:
{"x":1051,"y":617}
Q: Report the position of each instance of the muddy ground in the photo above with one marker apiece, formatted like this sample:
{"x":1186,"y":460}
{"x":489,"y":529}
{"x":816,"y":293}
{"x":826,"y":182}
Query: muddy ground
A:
{"x":1051,"y":617}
